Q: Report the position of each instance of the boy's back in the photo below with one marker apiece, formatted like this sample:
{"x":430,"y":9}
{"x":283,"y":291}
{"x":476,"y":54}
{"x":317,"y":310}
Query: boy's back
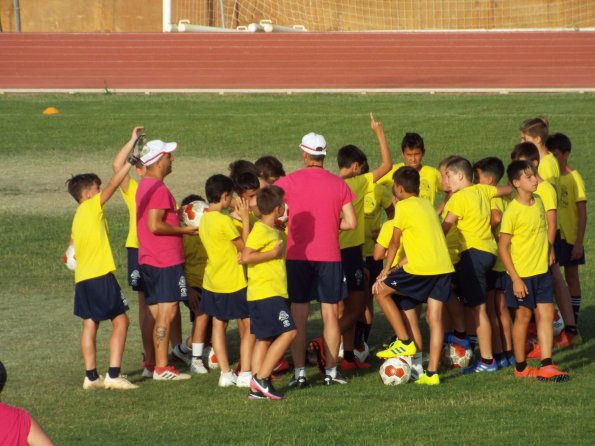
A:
{"x":549,"y":169}
{"x":195,"y":260}
{"x":360,"y":185}
{"x":572,"y":191}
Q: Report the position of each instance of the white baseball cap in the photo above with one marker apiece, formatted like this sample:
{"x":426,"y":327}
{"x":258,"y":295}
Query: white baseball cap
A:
{"x":313,"y":144}
{"x":153,"y":150}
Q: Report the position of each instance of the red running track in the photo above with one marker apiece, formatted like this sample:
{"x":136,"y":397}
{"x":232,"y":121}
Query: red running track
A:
{"x":298,"y":61}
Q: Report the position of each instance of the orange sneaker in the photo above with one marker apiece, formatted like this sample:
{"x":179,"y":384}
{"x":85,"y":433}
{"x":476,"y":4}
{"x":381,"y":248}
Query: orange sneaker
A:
{"x":568,"y":339}
{"x":281,"y":366}
{"x":552,"y":373}
{"x":347,"y":366}
{"x":533,"y":351}
{"x":529,"y":372}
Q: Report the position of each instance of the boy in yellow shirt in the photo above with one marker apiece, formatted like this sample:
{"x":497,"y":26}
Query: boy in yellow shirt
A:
{"x":270,"y":320}
{"x":526,"y":253}
{"x":536,"y":130}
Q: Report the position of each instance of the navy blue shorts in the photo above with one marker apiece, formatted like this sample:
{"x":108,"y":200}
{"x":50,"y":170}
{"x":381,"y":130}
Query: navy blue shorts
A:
{"x":541,"y":291}
{"x":563,"y":251}
{"x":135,"y":279}
{"x":419,"y":288}
{"x":225,"y":306}
{"x":270,"y":317}
{"x":164,"y":285}
{"x":374,"y":267}
{"x":496,"y":280}
{"x":321,"y":281}
{"x":472,"y":271}
{"x":99,"y":299}
{"x":405,"y":303}
{"x":353,"y":264}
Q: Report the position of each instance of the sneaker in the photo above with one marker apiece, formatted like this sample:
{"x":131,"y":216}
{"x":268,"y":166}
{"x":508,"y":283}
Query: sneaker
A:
{"x":568,"y":339}
{"x":552,"y":373}
{"x":450,"y":338}
{"x":169,"y":373}
{"x":90,"y":385}
{"x":119,"y":383}
{"x":255,"y":395}
{"x":282,"y":366}
{"x":480,"y":367}
{"x":503,"y":363}
{"x":300,"y":382}
{"x":227,"y":379}
{"x":317,"y":347}
{"x":198,"y":367}
{"x":362,"y":353}
{"x":244,"y":379}
{"x":533,"y":351}
{"x":426,"y":380}
{"x":529,"y":372}
{"x":337,"y":379}
{"x":397,"y":348}
{"x":388,"y":342}
{"x":186,"y":358}
{"x":348,"y":366}
{"x":148,"y":370}
{"x":265,"y":387}
{"x":417,"y":368}
{"x":511,"y":360}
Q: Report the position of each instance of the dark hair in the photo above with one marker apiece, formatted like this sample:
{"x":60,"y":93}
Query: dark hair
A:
{"x":408,"y":178}
{"x":268,"y":198}
{"x":526,"y":150}
{"x":216,"y":186}
{"x":412,"y":141}
{"x":516,"y":168}
{"x":316,"y":158}
{"x":491,"y":166}
{"x":190,"y":198}
{"x":269,"y":167}
{"x":245,"y":181}
{"x":349,"y":154}
{"x":3,"y":376}
{"x":535,"y":127}
{"x":78,"y":183}
{"x":460,"y":164}
{"x":238,"y":167}
{"x":558,"y":141}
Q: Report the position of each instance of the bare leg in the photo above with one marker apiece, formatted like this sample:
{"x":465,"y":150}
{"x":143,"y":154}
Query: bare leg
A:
{"x":165,"y":313}
{"x":484,"y":330}
{"x":88,"y":342}
{"x":519,"y":332}
{"x":434,"y":318}
{"x":149,"y":327}
{"x":331,"y":333}
{"x":354,"y":307}
{"x":494,"y":321}
{"x":219,"y":341}
{"x":562,"y":295}
{"x":274,"y":352}
{"x":545,"y":329}
{"x":411,"y":319}
{"x":573,"y":280}
{"x":247,"y":341}
{"x":299,"y":313}
{"x":117,"y":339}
{"x":456,"y":311}
{"x":505,"y":321}
{"x":175,"y":333}
{"x":391,"y":311}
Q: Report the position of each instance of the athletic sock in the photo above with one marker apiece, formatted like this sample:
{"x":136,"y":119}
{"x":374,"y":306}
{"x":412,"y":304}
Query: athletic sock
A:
{"x":332,"y":372}
{"x":184,"y":348}
{"x":576,"y":306}
{"x":498,"y":356}
{"x":92,"y":375}
{"x":430,"y":374}
{"x":367,"y":330}
{"x":359,"y":334}
{"x":571,"y":329}
{"x":299,"y":371}
{"x":113,"y":372}
{"x":473,"y":341}
{"x":520,"y":366}
{"x":197,"y":349}
{"x":487,"y":361}
{"x":349,"y":356}
{"x":406,"y":341}
{"x":547,"y":361}
{"x":460,"y":334}
{"x":509,"y":354}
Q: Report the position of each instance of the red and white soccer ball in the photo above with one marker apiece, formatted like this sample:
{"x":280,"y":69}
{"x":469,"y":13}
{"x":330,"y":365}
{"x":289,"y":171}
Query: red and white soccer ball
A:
{"x":210,"y":358}
{"x":193,"y":212}
{"x":282,"y":221}
{"x":70,"y":257}
{"x":456,"y":357}
{"x":395,"y":371}
{"x":558,"y":323}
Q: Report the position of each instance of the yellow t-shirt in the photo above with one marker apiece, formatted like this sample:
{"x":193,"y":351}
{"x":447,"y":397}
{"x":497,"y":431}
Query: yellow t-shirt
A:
{"x":549,"y":169}
{"x":374,"y":202}
{"x":422,"y":238}
{"x":548,"y":195}
{"x":223,"y":273}
{"x":529,"y":243}
{"x":91,"y":243}
{"x":195,"y":260}
{"x":385,"y":236}
{"x":472,"y":207}
{"x":360,"y":185}
{"x":452,"y":238}
{"x":429,"y":181}
{"x":266,"y":279}
{"x":572,"y":191}
{"x":499,"y":204}
{"x":130,"y":200}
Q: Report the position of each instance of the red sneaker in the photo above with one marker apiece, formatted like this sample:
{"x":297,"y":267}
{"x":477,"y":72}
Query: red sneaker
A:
{"x":281,"y":366}
{"x":552,"y":373}
{"x":318,"y":348}
{"x":347,"y":366}
{"x":568,"y":339}
{"x":533,"y":351}
{"x":529,"y":372}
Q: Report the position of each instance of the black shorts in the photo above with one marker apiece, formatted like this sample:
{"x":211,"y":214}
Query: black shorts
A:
{"x":405,"y":303}
{"x":162,"y":285}
{"x":541,"y":291}
{"x":419,"y":288}
{"x":374,"y":267}
{"x":563,"y":251}
{"x":472,"y":271}
{"x":321,"y":281}
{"x":496,"y":280}
{"x":135,"y":279}
{"x":270,"y":317}
{"x":99,"y":299}
{"x":353,"y":264}
{"x":225,"y":306}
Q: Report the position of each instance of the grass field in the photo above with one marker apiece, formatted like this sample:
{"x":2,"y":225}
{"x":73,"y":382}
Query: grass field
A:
{"x":39,"y":334}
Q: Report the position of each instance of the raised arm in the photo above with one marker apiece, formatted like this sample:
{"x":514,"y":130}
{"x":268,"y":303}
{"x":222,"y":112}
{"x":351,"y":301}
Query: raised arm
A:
{"x":386,"y":160}
{"x":120,"y":159}
{"x":114,"y":182}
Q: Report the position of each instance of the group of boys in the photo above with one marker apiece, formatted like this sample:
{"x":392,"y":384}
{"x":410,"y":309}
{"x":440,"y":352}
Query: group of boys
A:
{"x":482,"y":258}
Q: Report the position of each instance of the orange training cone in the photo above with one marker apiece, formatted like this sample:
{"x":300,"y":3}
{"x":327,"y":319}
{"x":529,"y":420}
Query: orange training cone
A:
{"x":51,"y":111}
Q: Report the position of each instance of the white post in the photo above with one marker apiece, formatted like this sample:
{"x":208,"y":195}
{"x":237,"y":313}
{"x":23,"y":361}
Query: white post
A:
{"x":222,"y":13}
{"x":166,"y":16}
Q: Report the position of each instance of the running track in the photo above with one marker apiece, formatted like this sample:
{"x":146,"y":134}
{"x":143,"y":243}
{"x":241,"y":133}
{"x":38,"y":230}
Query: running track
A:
{"x":482,"y":60}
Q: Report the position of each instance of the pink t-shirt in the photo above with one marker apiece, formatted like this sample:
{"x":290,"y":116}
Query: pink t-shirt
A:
{"x":15,"y":424}
{"x":315,"y":198}
{"x":161,"y":251}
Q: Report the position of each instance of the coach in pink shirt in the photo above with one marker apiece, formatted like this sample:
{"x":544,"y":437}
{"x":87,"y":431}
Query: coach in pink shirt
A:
{"x":319,"y":206}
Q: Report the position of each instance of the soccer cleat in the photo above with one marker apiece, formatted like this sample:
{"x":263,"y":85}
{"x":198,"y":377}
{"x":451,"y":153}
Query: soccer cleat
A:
{"x":96,"y":384}
{"x":318,"y":348}
{"x":503,"y":363}
{"x":198,"y":367}
{"x":255,"y":395}
{"x":426,"y":380}
{"x":227,"y":379}
{"x":119,"y":383}
{"x":552,"y":373}
{"x":568,"y":339}
{"x":281,"y":366}
{"x":480,"y":367}
{"x":348,"y":366}
{"x":169,"y":373}
{"x":148,"y":370}
{"x":362,"y":353}
{"x":529,"y":372}
{"x":397,"y":348}
{"x":450,"y":338}
{"x":265,"y":387}
{"x":300,"y":382}
{"x":244,"y":379}
{"x":329,"y":380}
{"x":186,"y":358}
{"x":533,"y":351}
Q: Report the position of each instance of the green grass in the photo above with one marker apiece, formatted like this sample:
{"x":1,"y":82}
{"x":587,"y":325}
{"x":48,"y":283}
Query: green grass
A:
{"x":39,"y":334}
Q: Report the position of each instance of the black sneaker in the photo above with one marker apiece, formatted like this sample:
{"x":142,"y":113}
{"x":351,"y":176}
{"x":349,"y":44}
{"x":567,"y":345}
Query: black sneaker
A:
{"x":255,"y":395}
{"x":338,"y":379}
{"x":300,"y":382}
{"x":265,"y":387}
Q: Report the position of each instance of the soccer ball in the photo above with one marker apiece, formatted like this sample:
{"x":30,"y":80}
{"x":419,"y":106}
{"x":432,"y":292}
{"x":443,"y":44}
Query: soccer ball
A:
{"x":192,"y":213}
{"x":456,"y":357}
{"x":558,"y":323}
{"x":70,"y":258}
{"x":210,"y":358}
{"x":395,"y":371}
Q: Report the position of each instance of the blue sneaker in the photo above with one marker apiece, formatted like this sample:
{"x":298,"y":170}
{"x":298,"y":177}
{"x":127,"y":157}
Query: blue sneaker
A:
{"x":480,"y":367}
{"x":503,"y":363}
{"x":450,"y":338}
{"x":511,"y":361}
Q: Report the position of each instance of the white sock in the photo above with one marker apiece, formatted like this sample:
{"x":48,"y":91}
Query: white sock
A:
{"x":246,"y":374}
{"x":197,"y":349}
{"x":332,"y":372}
{"x":184,"y":348}
{"x":299,"y":371}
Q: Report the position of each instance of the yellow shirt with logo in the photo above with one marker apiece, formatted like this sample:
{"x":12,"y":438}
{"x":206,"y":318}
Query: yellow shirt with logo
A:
{"x":499,"y":204}
{"x":130,"y":200}
{"x":195,"y":260}
{"x":360,"y":185}
{"x":452,"y":238}
{"x":375,"y":201}
{"x":572,"y":191}
{"x":529,"y":244}
{"x":548,"y":195}
{"x":429,"y":181}
{"x":549,"y":169}
{"x":91,"y":243}
{"x":266,"y":279}
{"x":385,"y":236}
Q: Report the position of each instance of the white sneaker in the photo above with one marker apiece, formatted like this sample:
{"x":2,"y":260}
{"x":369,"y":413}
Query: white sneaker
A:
{"x":119,"y":383}
{"x":244,"y":379}
{"x":197,"y":366}
{"x":185,"y":357}
{"x":417,"y":368}
{"x":227,"y":379}
{"x":90,"y":385}
{"x":170,"y":373}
